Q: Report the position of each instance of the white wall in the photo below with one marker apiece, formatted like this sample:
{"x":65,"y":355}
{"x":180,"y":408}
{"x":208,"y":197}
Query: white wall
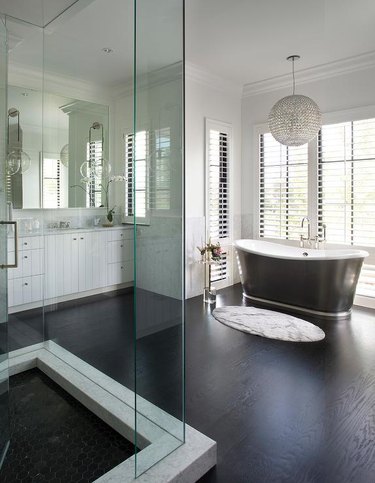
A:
{"x":337,"y":93}
{"x":207,"y":101}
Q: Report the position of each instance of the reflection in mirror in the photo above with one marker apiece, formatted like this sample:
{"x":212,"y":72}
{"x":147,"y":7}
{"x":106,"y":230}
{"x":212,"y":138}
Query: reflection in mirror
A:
{"x":72,"y":167}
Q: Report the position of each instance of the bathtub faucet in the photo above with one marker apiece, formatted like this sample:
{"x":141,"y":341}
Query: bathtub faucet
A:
{"x":303,"y":240}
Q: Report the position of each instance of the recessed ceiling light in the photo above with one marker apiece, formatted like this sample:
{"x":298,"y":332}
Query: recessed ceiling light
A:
{"x":107,"y":50}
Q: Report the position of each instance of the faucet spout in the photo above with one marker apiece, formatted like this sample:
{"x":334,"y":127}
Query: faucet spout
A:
{"x":307,"y":219}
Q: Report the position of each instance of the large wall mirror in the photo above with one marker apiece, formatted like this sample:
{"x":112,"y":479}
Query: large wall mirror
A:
{"x":58,"y":113}
{"x":70,"y":169}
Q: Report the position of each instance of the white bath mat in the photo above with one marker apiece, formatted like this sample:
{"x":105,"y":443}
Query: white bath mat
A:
{"x":267,"y":323}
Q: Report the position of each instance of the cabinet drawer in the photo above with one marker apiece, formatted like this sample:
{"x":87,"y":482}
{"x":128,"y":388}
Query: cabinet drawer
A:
{"x":120,"y":272}
{"x":30,"y":263}
{"x":30,"y":242}
{"x":120,"y":250}
{"x":118,"y":235}
{"x":25,"y":290}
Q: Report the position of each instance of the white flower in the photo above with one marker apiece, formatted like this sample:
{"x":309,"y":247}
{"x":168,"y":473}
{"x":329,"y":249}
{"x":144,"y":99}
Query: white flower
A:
{"x":117,"y":178}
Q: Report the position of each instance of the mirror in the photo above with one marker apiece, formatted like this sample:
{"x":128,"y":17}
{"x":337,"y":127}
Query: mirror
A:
{"x":72,"y":167}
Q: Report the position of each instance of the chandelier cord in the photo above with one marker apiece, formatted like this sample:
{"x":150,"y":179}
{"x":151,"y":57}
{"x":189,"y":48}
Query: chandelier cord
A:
{"x":294,"y":79}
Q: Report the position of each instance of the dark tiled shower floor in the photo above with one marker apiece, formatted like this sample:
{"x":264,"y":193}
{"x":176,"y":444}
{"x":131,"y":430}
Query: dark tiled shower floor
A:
{"x":54,"y":438}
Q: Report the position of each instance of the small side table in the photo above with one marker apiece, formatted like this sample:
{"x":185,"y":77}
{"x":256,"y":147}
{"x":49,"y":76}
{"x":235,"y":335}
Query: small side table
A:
{"x":209,"y":292}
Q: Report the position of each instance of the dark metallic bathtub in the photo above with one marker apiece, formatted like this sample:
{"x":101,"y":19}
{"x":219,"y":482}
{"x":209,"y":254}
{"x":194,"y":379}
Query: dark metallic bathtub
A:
{"x":320,"y":282}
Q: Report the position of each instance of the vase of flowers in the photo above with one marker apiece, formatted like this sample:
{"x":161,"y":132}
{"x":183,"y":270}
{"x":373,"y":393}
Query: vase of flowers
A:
{"x":210,"y":255}
{"x":110,"y":211}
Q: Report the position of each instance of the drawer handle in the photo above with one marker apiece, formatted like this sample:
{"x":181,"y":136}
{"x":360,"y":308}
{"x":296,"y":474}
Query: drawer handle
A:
{"x":74,"y":238}
{"x":26,"y":284}
{"x":82,"y":238}
{"x":121,"y":234}
{"x":121,"y":246}
{"x":25,"y":256}
{"x":122,"y":268}
{"x":25,"y":243}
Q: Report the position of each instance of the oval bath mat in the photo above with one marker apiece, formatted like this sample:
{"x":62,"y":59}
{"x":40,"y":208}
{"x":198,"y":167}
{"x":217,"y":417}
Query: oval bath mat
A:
{"x":267,"y":323}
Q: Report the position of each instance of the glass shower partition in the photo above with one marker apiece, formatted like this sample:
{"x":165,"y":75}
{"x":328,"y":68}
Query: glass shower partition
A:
{"x":4,"y":368}
{"x":158,"y":196}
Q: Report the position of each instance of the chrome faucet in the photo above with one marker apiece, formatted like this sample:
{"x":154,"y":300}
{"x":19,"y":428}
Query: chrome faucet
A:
{"x":302,"y":238}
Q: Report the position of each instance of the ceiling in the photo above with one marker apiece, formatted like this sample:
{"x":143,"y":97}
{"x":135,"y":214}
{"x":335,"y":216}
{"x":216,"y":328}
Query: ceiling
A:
{"x":74,"y":42}
{"x":244,"y":41}
{"x":37,"y":12}
{"x":248,"y":40}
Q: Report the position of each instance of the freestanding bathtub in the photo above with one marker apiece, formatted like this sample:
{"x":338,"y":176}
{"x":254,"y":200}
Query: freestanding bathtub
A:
{"x":320,"y":282}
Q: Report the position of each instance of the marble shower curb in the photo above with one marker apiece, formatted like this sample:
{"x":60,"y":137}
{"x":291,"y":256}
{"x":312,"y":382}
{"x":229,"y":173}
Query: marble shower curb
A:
{"x":158,"y":433}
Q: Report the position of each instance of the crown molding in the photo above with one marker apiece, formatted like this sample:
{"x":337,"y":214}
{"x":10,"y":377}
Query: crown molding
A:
{"x":158,"y":77}
{"x":53,"y":83}
{"x":313,"y":74}
{"x":195,"y":73}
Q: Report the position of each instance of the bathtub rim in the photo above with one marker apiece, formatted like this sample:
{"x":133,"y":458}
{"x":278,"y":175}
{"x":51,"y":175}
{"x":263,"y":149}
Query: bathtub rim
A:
{"x":336,"y":254}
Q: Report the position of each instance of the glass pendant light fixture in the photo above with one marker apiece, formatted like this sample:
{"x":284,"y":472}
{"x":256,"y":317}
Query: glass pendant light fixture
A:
{"x":64,"y":155}
{"x":101,"y":167}
{"x":294,"y":120}
{"x":17,"y":160}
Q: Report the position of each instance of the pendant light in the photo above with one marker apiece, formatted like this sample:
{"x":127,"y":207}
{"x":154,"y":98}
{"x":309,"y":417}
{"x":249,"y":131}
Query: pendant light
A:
{"x":294,"y":120}
{"x":17,"y":160}
{"x":64,"y":155}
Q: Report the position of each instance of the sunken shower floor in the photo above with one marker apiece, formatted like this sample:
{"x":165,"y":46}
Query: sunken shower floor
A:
{"x":54,"y":438}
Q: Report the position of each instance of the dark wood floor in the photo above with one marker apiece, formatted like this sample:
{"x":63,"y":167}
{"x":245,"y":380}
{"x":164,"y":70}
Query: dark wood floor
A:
{"x":280,"y":412}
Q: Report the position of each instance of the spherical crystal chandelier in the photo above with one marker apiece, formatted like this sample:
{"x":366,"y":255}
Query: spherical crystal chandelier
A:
{"x":294,"y":120}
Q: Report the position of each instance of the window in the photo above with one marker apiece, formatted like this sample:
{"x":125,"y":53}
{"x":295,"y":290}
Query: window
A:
{"x":136,"y":169}
{"x":218,"y":209}
{"x":283,"y":188}
{"x":346,"y":176}
{"x":95,"y":159}
{"x":161,"y":170}
{"x":331,"y":180}
{"x":149,"y":180}
{"x":51,"y":183}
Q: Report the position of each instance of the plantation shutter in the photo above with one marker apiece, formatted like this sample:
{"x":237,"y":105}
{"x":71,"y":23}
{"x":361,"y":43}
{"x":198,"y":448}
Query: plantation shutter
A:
{"x":160,"y":177}
{"x":136,"y":169}
{"x":346,"y":175}
{"x":51,"y":183}
{"x":129,"y":173}
{"x":218,"y":184}
{"x":218,"y":202}
{"x":283,"y":188}
{"x":95,"y":159}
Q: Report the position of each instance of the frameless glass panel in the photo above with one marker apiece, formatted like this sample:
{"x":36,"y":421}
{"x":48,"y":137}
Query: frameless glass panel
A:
{"x":24,"y":148}
{"x":4,"y":374}
{"x":87,"y":113}
{"x":158,"y":167}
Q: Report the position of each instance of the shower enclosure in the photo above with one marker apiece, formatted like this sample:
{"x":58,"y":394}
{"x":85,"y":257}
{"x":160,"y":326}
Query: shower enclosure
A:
{"x":92,"y":176}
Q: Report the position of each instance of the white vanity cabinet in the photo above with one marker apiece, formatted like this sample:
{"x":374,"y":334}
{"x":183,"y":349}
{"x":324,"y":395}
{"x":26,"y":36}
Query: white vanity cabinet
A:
{"x":71,"y":264}
{"x":25,"y":282}
{"x":120,"y":257}
{"x":75,"y":262}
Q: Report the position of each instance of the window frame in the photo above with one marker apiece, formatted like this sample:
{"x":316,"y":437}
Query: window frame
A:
{"x":63,"y":179}
{"x":356,"y":114}
{"x":227,"y":242}
{"x":139,"y":220}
